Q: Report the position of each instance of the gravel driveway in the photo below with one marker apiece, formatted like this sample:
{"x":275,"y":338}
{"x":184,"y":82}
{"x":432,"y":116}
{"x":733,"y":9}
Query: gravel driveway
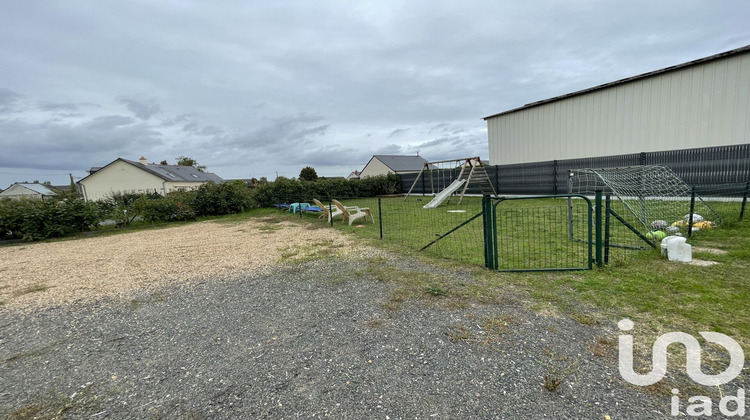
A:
{"x":305,"y":339}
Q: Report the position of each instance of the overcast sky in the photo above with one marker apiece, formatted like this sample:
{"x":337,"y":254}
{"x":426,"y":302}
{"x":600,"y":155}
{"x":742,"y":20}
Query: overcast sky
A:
{"x":252,"y":88}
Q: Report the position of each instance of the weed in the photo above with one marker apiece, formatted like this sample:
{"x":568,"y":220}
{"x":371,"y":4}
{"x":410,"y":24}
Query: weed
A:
{"x":269,"y":229}
{"x":437,"y":291}
{"x":139,"y":303}
{"x":81,"y":402}
{"x":559,"y":367}
{"x":602,"y":347}
{"x":460,"y":333}
{"x":583,"y":319}
{"x":34,"y":288}
{"x":551,"y":383}
{"x":29,"y":353}
{"x":489,"y":330}
{"x":375,"y":323}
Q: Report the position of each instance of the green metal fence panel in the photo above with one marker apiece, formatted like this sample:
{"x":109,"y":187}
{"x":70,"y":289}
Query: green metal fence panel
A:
{"x":539,"y":233}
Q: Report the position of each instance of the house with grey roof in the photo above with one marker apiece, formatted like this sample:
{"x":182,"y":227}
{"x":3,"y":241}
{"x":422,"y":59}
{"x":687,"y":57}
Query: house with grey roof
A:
{"x":33,"y":191}
{"x":392,"y":164}
{"x":123,"y":175}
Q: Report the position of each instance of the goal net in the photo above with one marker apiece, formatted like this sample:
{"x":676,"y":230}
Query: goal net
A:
{"x":655,"y":197}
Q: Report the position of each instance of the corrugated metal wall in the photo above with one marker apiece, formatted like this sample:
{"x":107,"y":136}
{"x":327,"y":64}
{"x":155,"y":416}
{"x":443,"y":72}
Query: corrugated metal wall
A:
{"x":706,"y":104}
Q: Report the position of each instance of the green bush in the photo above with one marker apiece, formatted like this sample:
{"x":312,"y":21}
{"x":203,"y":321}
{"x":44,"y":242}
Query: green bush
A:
{"x":34,"y":220}
{"x":225,"y":198}
{"x":284,"y":189}
{"x":162,"y":209}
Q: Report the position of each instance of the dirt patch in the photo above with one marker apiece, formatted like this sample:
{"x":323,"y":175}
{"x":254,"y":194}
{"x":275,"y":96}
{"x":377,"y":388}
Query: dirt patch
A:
{"x":702,"y":263}
{"x":51,"y":273}
{"x":707,"y":250}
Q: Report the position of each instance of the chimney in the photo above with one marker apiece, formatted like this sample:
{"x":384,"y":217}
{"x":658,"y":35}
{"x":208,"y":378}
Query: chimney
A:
{"x":143,"y":160}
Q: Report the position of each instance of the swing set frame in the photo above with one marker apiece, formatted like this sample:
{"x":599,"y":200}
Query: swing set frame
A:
{"x":475,"y":173}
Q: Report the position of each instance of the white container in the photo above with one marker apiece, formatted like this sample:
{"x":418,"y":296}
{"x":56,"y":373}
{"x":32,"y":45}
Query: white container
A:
{"x":664,"y":243}
{"x":678,"y":250}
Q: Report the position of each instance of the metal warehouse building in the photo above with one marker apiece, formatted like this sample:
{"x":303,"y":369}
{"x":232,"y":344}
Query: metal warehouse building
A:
{"x":702,"y":103}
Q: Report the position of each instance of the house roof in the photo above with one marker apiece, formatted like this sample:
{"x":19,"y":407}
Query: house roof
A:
{"x":37,"y":188}
{"x":399,"y":163}
{"x":729,"y":53}
{"x":174,"y":173}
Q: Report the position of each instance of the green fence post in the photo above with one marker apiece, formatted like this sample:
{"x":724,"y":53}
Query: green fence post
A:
{"x":598,"y":208}
{"x":744,"y":200}
{"x":489,"y":252}
{"x":692,"y":210}
{"x":380,"y":218}
{"x":607,"y":205}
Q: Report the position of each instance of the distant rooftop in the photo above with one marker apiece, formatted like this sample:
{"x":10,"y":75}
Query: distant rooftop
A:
{"x":400,"y":163}
{"x":38,"y":188}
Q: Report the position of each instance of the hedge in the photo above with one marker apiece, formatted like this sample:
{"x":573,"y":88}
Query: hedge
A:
{"x":282,"y":190}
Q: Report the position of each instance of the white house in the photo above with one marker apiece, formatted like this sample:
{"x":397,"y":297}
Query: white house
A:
{"x":392,"y":164}
{"x":20,"y":190}
{"x":124,"y":175}
{"x":702,"y":103}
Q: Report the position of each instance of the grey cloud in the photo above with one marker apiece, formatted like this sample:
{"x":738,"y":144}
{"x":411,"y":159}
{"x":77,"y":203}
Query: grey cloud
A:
{"x":54,"y":145}
{"x":143,"y":109}
{"x":109,"y":122}
{"x":8,"y":100}
{"x":249,"y":82}
{"x":63,"y":106}
{"x":399,"y":131}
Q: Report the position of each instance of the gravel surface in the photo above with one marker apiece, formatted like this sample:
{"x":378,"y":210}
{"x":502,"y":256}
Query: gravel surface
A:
{"x":86,"y":269}
{"x":304,"y":339}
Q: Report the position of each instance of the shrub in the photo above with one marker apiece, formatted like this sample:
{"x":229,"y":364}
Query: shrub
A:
{"x":162,"y":209}
{"x":225,"y":198}
{"x":35,"y":220}
{"x":283,"y":189}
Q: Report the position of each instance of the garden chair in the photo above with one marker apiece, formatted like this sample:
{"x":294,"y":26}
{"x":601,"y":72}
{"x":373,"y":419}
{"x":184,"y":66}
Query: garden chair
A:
{"x":353,"y":213}
{"x":327,"y":211}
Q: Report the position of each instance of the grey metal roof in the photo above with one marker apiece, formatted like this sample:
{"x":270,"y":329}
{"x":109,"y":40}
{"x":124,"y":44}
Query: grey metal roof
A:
{"x":38,"y":188}
{"x":736,"y":51}
{"x":177,"y":173}
{"x":169,"y":172}
{"x":399,"y":163}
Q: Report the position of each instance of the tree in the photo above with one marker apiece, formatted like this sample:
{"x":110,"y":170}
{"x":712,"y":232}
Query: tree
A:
{"x":186,"y":161}
{"x":308,"y":174}
{"x":163,"y":162}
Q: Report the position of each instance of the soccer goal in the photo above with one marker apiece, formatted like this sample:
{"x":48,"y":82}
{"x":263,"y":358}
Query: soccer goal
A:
{"x":654,"y":200}
{"x":452,"y":177}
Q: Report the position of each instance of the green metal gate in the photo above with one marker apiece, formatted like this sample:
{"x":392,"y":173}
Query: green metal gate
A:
{"x":533,"y":233}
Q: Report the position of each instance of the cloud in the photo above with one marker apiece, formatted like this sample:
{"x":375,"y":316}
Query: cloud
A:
{"x":73,"y":146}
{"x":63,"y":106}
{"x":143,"y":109}
{"x":397,"y":132}
{"x":8,"y":100}
{"x":109,"y":122}
{"x":259,"y":87}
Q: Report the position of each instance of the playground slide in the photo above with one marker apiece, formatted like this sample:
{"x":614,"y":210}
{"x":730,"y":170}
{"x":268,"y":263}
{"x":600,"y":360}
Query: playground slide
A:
{"x":442,"y":195}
